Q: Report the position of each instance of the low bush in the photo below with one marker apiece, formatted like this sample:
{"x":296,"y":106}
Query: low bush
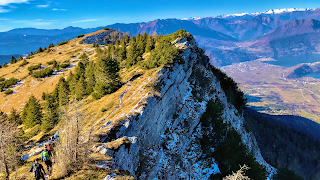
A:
{"x":95,"y":45}
{"x":62,"y":43}
{"x":2,"y":79}
{"x":51,"y":62}
{"x":107,"y":29}
{"x":65,"y":65}
{"x":8,"y":91}
{"x":81,"y":35}
{"x":81,"y":42}
{"x":8,"y":83}
{"x":43,"y":73}
{"x":24,"y":62}
{"x":31,"y":68}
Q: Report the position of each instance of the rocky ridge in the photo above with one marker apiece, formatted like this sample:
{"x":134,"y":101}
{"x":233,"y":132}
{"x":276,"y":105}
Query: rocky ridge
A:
{"x":162,"y":139}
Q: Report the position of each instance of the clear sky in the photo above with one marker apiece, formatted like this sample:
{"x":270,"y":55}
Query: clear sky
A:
{"x":57,"y":14}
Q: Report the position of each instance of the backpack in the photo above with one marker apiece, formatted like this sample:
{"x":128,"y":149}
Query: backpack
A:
{"x":50,"y":147}
{"x":37,"y":170}
{"x":45,"y":155}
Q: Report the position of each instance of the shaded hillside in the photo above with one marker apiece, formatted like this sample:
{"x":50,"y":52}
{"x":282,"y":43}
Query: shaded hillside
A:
{"x":294,"y":27}
{"x":284,"y":147}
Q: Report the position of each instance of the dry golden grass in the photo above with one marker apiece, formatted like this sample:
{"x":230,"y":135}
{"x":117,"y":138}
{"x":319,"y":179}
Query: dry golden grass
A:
{"x":117,"y":143}
{"x":33,"y":86}
{"x":135,"y":90}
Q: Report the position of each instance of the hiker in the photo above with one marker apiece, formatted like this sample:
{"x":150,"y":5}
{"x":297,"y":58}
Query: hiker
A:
{"x":38,"y":171}
{"x":46,"y":155}
{"x":56,"y":135}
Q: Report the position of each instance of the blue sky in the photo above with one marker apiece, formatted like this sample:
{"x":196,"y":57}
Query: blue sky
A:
{"x":57,"y":14}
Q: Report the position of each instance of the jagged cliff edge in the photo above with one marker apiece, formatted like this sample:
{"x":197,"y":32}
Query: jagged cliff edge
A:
{"x":163,"y":136}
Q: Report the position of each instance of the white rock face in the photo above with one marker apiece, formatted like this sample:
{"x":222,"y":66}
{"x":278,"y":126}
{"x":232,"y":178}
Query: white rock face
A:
{"x":165,"y":135}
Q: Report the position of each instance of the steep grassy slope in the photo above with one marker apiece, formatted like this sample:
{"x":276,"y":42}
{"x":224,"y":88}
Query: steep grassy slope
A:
{"x":30,"y":85}
{"x":174,"y":115}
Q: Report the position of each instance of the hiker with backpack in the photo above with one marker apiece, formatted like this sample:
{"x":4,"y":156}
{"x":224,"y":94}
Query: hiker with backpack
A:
{"x":45,"y":157}
{"x":37,"y":169}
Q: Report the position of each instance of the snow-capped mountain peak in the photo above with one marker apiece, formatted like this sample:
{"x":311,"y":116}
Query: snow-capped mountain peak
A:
{"x":270,"y":11}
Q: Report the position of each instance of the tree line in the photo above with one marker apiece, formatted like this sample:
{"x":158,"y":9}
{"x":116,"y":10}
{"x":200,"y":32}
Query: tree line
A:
{"x":95,"y":79}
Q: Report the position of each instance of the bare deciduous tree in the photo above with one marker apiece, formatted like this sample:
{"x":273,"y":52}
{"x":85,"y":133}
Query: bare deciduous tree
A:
{"x":9,"y":147}
{"x":239,"y":175}
{"x":71,"y":152}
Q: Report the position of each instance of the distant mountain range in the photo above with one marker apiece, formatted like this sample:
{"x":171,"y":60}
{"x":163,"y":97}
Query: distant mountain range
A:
{"x":226,"y":38}
{"x":284,"y":14}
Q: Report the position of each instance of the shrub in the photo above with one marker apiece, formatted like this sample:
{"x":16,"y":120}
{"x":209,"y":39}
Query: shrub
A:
{"x":51,"y":62}
{"x":2,"y":79}
{"x":81,"y":35}
{"x":81,"y":42}
{"x":62,"y":43}
{"x":31,"y":68}
{"x":8,"y":83}
{"x":107,"y":29}
{"x":8,"y":91}
{"x":65,"y":65}
{"x":103,"y":109}
{"x":24,"y":62}
{"x":43,"y":73}
{"x":95,"y":45}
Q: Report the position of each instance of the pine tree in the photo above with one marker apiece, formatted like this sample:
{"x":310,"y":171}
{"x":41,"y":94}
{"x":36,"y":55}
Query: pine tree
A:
{"x":31,"y":114}
{"x":117,"y":43}
{"x":127,"y":40}
{"x":50,"y":117}
{"x":150,"y":44}
{"x":72,"y":82}
{"x":19,"y":58}
{"x":44,"y":95}
{"x":14,"y":117}
{"x":55,"y":65}
{"x":31,"y":53}
{"x":132,"y":53}
{"x":122,"y":52}
{"x":40,"y":50}
{"x":141,"y":45}
{"x":45,"y":48}
{"x":0,"y":66}
{"x":13,"y":60}
{"x":80,"y":70}
{"x":63,"y":92}
{"x":80,"y":88}
{"x":5,"y":64}
{"x":90,"y":78}
{"x":50,"y":45}
{"x":84,"y":59}
{"x":107,"y":77}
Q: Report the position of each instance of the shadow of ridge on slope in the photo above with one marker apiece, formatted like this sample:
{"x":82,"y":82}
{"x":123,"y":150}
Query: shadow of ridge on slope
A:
{"x":294,"y":122}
